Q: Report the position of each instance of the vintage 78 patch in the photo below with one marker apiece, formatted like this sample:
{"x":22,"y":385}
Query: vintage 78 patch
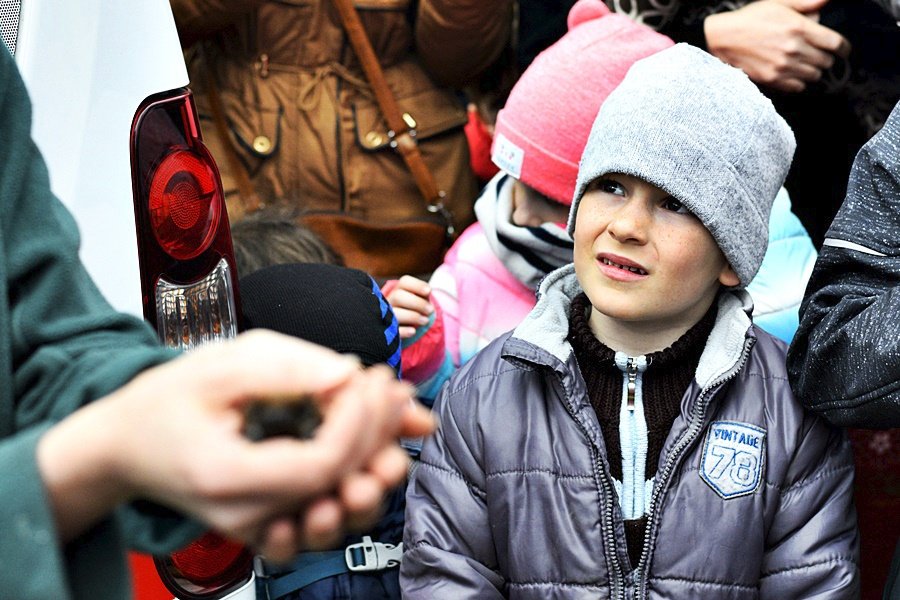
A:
{"x":733,"y":458}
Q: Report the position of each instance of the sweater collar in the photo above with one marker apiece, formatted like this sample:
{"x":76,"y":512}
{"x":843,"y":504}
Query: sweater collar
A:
{"x":685,"y":350}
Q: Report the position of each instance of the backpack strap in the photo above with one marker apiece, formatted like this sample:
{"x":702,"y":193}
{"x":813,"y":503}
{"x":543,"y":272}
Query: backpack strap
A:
{"x":310,"y":567}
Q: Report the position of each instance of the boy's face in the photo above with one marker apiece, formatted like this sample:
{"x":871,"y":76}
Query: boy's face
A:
{"x":642,"y":257}
{"x":532,"y":208}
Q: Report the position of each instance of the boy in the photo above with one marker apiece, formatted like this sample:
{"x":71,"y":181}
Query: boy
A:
{"x":635,"y":436}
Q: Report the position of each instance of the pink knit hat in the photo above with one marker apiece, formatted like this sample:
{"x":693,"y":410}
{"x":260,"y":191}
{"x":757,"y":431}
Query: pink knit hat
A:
{"x":544,"y":126}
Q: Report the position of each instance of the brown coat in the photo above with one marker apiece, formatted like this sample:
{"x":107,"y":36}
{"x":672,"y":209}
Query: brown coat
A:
{"x":302,"y":117}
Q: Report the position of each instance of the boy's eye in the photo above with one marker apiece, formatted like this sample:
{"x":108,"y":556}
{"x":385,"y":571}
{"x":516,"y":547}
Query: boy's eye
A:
{"x":674,"y":205}
{"x":609,"y":186}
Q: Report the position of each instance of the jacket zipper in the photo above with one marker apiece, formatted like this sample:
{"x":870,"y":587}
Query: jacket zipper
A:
{"x":694,"y":429}
{"x":609,"y":536}
{"x":631,"y":370}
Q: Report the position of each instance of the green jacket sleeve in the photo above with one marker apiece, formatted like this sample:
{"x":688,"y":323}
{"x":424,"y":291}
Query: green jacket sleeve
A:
{"x":61,"y":345}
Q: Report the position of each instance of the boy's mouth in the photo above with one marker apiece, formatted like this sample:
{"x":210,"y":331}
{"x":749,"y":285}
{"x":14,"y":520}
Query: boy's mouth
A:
{"x":625,"y":267}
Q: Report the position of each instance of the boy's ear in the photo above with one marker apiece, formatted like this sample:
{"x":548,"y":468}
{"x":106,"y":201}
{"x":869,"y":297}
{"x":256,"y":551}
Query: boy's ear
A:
{"x":728,"y":277}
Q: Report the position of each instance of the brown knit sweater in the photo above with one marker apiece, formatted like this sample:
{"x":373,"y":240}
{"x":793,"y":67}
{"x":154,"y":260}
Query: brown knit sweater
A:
{"x":668,"y":375}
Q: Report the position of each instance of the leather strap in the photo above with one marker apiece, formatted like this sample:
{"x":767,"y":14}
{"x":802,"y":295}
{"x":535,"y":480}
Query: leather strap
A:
{"x":403,"y":138}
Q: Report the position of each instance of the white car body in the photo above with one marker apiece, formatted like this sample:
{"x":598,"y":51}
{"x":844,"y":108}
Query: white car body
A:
{"x":88,"y":66}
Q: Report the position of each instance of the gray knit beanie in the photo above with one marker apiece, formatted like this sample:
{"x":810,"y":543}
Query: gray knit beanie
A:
{"x":700,"y":130}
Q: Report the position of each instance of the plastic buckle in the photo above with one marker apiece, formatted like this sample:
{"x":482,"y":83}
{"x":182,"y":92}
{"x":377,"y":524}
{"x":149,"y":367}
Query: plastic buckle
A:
{"x":375,"y":555}
{"x":259,"y":567}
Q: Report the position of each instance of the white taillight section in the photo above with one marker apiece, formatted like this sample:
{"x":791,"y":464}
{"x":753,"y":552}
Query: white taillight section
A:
{"x":190,"y":315}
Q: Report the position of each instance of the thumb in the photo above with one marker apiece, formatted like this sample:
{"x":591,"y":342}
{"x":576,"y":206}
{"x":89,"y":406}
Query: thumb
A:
{"x":804,"y":6}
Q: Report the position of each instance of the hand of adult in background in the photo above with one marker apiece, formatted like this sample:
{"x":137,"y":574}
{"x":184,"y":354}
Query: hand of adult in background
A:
{"x":174,"y":435}
{"x":409,"y":299}
{"x":777,"y":43}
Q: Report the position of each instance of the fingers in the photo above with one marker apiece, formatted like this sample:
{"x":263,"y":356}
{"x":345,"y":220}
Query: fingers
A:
{"x":409,"y":300}
{"x":414,"y":285}
{"x":319,"y":527}
{"x":826,"y":39}
{"x":814,"y":53}
{"x":818,"y":35}
{"x":417,"y":421}
{"x":814,"y":57}
{"x":360,"y":419}
{"x":365,"y":416}
{"x":390,"y":466}
{"x":280,"y":540}
{"x":410,"y":308}
{"x":258,"y":364}
{"x":361,"y":496}
{"x":790,"y":84}
{"x":804,"y":6}
{"x":323,"y":524}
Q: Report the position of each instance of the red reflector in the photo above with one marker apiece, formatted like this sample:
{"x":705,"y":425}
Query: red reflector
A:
{"x":211,"y":559}
{"x":184,"y":204}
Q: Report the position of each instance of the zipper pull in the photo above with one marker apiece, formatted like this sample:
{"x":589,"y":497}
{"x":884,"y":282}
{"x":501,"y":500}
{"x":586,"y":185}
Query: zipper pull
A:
{"x":632,"y":382}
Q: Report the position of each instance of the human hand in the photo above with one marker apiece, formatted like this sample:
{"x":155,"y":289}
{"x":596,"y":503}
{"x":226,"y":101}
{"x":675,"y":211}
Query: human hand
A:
{"x":410,"y":300}
{"x":777,"y":43}
{"x":173,"y":435}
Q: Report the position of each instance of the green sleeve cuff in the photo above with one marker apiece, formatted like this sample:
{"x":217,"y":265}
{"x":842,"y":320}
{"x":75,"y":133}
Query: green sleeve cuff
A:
{"x":33,"y":563}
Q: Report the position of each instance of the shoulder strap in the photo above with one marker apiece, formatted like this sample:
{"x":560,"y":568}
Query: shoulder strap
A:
{"x":403,"y":136}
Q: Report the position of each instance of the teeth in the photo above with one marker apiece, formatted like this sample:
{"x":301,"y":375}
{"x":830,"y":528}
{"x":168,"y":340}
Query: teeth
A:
{"x":637,"y":270}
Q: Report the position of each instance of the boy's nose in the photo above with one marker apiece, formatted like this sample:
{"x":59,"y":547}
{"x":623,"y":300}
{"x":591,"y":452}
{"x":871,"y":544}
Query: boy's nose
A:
{"x":629,"y":222}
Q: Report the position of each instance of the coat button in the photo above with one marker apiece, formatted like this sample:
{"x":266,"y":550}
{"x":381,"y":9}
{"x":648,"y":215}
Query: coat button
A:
{"x":374,"y":139}
{"x":262,"y":144}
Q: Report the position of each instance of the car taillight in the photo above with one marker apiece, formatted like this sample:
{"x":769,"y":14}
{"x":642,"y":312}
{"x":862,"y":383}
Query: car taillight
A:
{"x":188,"y":285}
{"x":210,"y":567}
{"x":188,"y":288}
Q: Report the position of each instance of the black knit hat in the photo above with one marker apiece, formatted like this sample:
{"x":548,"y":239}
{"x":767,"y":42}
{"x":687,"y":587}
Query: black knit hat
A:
{"x":340,"y":308}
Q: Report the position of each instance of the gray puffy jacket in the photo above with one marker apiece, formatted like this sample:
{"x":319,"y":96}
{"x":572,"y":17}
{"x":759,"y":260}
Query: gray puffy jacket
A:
{"x":513,"y":496}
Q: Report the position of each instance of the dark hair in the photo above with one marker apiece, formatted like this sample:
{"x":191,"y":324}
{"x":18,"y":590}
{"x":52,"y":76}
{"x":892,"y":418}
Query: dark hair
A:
{"x":274,"y":236}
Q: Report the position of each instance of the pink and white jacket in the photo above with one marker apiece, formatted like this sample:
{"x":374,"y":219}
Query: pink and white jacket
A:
{"x":484,"y":288}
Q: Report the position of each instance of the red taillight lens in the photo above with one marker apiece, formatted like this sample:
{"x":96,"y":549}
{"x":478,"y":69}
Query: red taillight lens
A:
{"x":184,"y":204}
{"x":209,"y":567}
{"x":188,"y":280}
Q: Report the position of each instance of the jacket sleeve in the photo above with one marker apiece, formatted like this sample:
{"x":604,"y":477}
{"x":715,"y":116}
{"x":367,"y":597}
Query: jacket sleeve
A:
{"x":448,"y":547}
{"x":423,"y":356}
{"x":197,"y":19}
{"x":458,"y":39}
{"x":845,"y":359}
{"x":61,"y":345}
{"x":812,"y":546}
